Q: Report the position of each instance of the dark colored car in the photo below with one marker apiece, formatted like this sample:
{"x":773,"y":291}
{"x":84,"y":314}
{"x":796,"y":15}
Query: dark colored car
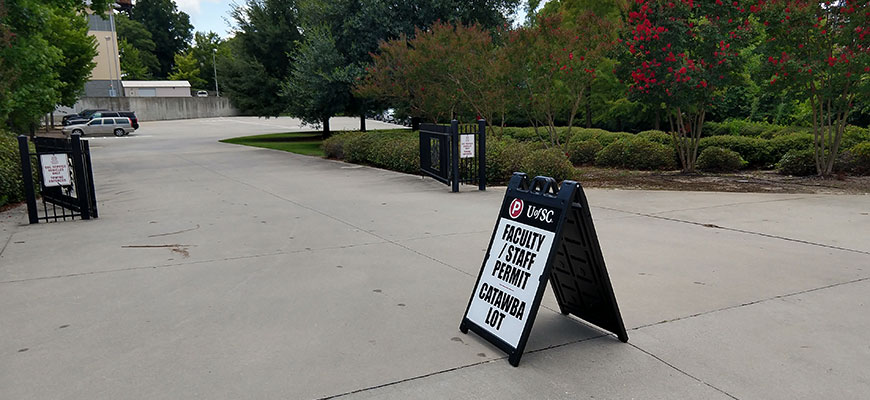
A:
{"x":134,"y":121}
{"x":84,"y":114}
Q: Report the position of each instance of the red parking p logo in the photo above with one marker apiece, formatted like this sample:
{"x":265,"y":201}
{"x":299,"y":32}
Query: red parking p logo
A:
{"x":515,"y":208}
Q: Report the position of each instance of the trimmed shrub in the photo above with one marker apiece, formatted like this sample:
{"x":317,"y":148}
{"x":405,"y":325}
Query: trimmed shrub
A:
{"x":858,"y":159}
{"x":782,"y":144}
{"x":798,"y":163}
{"x":11,"y":184}
{"x":395,"y":151}
{"x":609,"y":137}
{"x":657,"y":137}
{"x":854,"y":135}
{"x":718,"y":159}
{"x":547,"y":162}
{"x":333,"y":146}
{"x":755,"y":151}
{"x":583,"y":152}
{"x":504,"y":157}
{"x":636,"y":153}
{"x":583,"y":134}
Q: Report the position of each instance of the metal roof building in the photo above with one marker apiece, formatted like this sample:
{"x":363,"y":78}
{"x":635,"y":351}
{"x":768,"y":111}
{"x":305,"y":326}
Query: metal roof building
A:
{"x":156,"y":88}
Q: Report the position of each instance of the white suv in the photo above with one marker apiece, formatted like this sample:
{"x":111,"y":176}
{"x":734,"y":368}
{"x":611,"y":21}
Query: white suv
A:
{"x":119,"y":126}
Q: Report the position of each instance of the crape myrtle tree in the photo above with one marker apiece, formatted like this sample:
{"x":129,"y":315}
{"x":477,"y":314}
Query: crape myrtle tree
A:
{"x":819,"y":52}
{"x":416,"y":72}
{"x":552,"y":66}
{"x":682,"y":54}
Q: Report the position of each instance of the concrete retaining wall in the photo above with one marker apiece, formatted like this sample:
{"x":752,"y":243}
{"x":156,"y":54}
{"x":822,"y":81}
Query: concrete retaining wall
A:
{"x":162,"y":108}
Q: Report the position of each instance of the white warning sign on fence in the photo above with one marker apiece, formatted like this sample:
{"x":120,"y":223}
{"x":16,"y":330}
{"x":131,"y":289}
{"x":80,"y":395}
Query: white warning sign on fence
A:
{"x":510,"y":278}
{"x":55,"y":170}
{"x":466,"y":146}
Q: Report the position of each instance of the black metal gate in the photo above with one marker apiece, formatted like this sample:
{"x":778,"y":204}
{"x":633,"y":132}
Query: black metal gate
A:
{"x":66,"y":179}
{"x":454,"y":154}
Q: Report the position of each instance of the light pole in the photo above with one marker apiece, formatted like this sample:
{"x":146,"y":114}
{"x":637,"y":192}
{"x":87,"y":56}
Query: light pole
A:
{"x":111,"y":66}
{"x":214,"y":64}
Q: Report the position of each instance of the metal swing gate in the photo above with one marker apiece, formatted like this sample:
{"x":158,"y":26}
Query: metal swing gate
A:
{"x":454,"y":154}
{"x":66,"y":179}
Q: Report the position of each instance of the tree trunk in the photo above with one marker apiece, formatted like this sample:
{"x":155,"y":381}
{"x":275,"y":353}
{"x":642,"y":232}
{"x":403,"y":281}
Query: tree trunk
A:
{"x":589,"y":106}
{"x":362,"y":121}
{"x":658,"y":126}
{"x":326,"y":127}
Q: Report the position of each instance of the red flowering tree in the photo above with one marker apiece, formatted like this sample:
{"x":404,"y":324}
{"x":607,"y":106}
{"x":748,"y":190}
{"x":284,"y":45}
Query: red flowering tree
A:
{"x":552,"y":65}
{"x":819,"y":52}
{"x":681,"y":54}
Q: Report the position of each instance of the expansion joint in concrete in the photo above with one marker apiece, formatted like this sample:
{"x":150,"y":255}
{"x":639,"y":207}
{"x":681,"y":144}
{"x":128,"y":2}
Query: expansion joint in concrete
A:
{"x":713,"y":226}
{"x":675,"y":368}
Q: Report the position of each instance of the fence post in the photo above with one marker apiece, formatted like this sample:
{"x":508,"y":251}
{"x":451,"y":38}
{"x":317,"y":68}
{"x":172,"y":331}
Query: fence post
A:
{"x":481,"y":154}
{"x":454,"y":153}
{"x":82,"y":191}
{"x":90,"y":170}
{"x":27,"y":178}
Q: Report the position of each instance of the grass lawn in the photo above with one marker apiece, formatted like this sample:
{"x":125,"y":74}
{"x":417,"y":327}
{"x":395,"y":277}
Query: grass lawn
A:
{"x":306,"y":143}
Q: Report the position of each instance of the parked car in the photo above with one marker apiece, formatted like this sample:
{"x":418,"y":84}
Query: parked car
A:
{"x":119,"y":126}
{"x":202,"y":93}
{"x":134,"y":121}
{"x":84,"y":114}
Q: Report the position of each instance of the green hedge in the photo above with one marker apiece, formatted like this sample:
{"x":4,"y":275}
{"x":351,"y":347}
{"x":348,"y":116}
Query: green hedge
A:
{"x":749,"y":129}
{"x":636,"y":153}
{"x":582,"y":153}
{"x":756,"y":151}
{"x":11,"y":185}
{"x":547,"y":162}
{"x":718,"y":159}
{"x":394,"y":150}
{"x":798,"y":163}
{"x":657,"y":136}
{"x":857,"y":159}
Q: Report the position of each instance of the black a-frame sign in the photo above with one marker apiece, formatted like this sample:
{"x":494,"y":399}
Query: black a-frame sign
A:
{"x":543,"y":232}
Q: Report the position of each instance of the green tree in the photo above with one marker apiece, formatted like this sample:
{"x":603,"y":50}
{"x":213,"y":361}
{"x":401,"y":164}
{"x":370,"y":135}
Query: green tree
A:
{"x":132,"y":67}
{"x":818,"y":52}
{"x":187,"y":69}
{"x":139,"y":38}
{"x":45,"y":57}
{"x":68,"y":31}
{"x":265,"y":36}
{"x":318,"y":85}
{"x":170,"y":30}
{"x":204,"y":49}
{"x":359,"y":26}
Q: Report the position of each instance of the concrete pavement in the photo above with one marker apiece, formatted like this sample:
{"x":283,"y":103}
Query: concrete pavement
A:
{"x":218,"y":271}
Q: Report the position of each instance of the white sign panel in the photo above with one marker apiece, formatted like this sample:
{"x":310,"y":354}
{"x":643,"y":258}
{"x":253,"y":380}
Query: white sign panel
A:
{"x":505,"y":294}
{"x":466,"y":146}
{"x":55,"y":170}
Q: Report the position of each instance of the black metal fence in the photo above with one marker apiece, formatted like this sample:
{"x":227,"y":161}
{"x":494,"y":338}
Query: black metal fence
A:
{"x":454,"y":154}
{"x":66,"y":179}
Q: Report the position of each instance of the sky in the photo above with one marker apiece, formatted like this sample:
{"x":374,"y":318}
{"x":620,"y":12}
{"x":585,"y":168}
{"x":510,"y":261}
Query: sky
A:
{"x":212,"y":15}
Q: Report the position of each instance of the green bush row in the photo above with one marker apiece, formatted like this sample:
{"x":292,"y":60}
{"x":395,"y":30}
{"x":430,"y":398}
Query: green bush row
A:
{"x":854,"y":160}
{"x":11,"y":184}
{"x":649,"y":150}
{"x":394,"y":150}
{"x":399,"y":151}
